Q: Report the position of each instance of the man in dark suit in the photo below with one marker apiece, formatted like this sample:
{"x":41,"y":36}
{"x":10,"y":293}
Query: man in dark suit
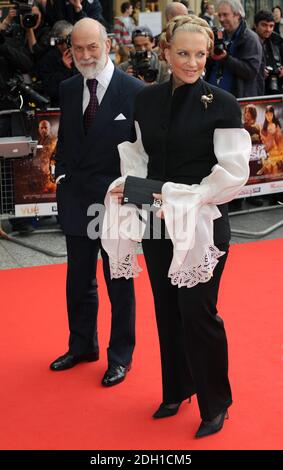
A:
{"x":96,"y":115}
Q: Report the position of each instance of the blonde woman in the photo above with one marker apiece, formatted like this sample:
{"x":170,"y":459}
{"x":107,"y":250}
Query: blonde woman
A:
{"x":190,"y":136}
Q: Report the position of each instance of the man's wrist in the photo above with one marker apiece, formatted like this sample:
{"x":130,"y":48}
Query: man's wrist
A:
{"x":78,"y":9}
{"x":57,"y":181}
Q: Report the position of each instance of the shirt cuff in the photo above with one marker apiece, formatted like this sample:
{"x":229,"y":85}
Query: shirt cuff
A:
{"x":57,"y":181}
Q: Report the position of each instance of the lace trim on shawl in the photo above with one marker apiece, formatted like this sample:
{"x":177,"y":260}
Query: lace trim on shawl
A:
{"x":127,"y":267}
{"x":190,"y":276}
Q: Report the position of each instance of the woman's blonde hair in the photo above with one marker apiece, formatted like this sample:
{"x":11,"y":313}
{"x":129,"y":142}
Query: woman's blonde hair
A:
{"x":190,"y":23}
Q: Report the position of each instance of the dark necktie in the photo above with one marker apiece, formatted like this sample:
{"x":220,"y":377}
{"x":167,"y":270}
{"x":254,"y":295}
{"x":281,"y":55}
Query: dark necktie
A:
{"x":92,"y":105}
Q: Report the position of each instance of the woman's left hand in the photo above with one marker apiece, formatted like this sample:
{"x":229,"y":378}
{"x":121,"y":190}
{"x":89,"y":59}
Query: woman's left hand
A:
{"x":158,"y":197}
{"x":158,"y":203}
{"x":118,"y":193}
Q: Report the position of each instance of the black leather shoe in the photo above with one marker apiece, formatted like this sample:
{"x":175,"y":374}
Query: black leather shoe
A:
{"x":115,"y":374}
{"x":210,"y":427}
{"x":67,"y":361}
{"x":167,"y":410}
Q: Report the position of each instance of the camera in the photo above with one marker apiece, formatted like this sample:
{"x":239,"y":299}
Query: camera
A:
{"x":17,"y":88}
{"x":219,"y":43}
{"x":24,"y":9}
{"x":55,"y":41}
{"x":272,"y":81}
{"x":144,"y":65}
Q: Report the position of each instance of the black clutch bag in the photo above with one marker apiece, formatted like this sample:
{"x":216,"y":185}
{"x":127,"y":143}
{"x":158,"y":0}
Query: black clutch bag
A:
{"x":138,"y":191}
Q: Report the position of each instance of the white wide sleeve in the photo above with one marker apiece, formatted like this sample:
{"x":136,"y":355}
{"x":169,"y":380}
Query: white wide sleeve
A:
{"x":124,"y":226}
{"x":189,"y":210}
{"x":133,"y":156}
{"x":232,"y":148}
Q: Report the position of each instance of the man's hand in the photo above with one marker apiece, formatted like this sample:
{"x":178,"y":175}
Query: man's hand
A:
{"x":220,"y":56}
{"x":77,"y":5}
{"x":67,"y":58}
{"x":266,"y":73}
{"x":140,"y":77}
{"x":130,"y":70}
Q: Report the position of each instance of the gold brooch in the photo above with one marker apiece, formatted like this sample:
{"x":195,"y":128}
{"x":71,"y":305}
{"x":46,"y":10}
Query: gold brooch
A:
{"x":207,"y":99}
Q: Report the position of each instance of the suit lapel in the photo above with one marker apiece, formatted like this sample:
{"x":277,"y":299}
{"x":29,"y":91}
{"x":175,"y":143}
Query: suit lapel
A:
{"x":108,"y":109}
{"x":77,"y":100}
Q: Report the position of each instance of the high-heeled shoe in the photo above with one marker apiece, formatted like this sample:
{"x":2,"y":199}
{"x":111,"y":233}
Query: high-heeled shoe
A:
{"x":210,"y":427}
{"x":166,"y":410}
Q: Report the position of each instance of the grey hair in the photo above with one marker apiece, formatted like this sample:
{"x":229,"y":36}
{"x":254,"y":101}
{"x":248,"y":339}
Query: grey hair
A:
{"x":61,"y":27}
{"x":103,"y":32}
{"x":235,"y":5}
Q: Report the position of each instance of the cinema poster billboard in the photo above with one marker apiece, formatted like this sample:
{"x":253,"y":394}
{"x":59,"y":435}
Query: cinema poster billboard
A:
{"x":34,"y":177}
{"x":263,"y":118}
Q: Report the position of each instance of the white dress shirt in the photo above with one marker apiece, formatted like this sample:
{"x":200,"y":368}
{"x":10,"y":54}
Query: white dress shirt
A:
{"x":103,"y":78}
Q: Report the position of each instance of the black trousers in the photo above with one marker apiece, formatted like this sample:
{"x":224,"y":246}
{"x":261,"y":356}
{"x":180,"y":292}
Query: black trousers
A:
{"x":192,"y":337}
{"x":82,"y":303}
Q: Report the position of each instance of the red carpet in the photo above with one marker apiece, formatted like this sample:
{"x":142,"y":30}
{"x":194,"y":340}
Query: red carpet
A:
{"x":41,"y":409}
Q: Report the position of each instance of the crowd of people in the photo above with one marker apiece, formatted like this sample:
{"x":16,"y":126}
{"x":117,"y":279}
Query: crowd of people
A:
{"x":246,"y":62}
{"x":186,"y":131}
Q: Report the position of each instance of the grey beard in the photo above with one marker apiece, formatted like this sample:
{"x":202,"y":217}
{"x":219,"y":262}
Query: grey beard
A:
{"x":93,"y":71}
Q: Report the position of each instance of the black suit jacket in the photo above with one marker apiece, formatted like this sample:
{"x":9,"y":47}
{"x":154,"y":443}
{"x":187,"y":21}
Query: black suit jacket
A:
{"x":181,"y":147}
{"x":91,"y":162}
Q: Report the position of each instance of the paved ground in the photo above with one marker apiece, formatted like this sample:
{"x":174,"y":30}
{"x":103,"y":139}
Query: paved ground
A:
{"x":13,"y":255}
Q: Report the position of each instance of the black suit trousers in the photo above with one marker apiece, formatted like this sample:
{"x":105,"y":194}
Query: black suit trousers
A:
{"x":82,"y":302}
{"x":192,"y":337}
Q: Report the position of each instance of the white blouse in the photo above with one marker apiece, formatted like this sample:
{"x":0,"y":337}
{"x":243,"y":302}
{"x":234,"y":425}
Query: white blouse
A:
{"x":189,"y":210}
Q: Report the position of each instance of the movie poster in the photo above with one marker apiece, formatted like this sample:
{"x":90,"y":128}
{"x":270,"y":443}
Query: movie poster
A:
{"x":263,"y":118}
{"x":34,"y":182}
{"x":34,"y":177}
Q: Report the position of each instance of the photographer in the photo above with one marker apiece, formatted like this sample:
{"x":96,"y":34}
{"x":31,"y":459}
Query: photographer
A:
{"x":272,"y":45}
{"x":277,"y":15}
{"x":144,"y":62}
{"x":57,"y":65}
{"x":37,"y":35}
{"x":26,"y":22}
{"x":235,"y":65}
{"x":209,"y":15}
{"x":13,"y":59}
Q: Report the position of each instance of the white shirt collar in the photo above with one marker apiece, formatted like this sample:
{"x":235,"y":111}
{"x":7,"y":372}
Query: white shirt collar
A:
{"x":104,"y":77}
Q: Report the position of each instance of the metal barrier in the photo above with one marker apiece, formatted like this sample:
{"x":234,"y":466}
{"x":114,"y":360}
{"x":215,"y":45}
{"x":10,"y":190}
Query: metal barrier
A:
{"x":7,"y":195}
{"x":262,"y":233}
